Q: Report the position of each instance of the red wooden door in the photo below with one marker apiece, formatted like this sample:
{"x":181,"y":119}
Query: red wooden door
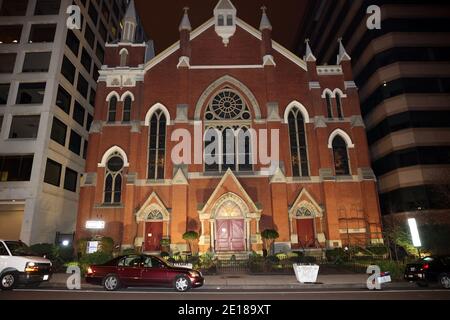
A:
{"x":153,"y":236}
{"x":230,"y":235}
{"x":305,"y":231}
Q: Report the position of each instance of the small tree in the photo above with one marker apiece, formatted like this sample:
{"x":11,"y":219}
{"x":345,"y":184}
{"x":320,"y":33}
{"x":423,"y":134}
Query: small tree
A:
{"x":269,"y":236}
{"x":190,"y":237}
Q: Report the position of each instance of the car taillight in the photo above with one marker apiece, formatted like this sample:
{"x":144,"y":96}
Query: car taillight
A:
{"x":425,"y":266}
{"x":90,"y":271}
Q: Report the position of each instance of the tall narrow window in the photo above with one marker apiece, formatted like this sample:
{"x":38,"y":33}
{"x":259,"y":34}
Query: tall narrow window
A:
{"x":339,"y":106}
{"x":112,"y":109}
{"x":127,"y":109}
{"x":228,"y":149}
{"x":113,"y":180}
{"x":340,"y":155}
{"x":157,"y":146}
{"x":244,"y":150}
{"x":329,"y":106}
{"x":297,"y":137}
{"x":123,"y":58}
{"x":221,"y":21}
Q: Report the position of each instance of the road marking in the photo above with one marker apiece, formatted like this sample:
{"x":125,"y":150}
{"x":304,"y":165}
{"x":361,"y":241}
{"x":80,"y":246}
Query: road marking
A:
{"x":235,"y":293}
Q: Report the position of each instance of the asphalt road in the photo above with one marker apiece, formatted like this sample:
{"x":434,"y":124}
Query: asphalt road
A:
{"x":161,"y":294}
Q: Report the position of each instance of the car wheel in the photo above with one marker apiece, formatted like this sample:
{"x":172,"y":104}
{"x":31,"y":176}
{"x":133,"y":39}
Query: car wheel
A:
{"x":444,"y":280}
{"x":8,"y":281}
{"x":182,"y":283}
{"x":111,"y":282}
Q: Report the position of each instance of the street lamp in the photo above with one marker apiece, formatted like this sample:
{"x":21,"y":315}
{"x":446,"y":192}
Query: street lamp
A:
{"x":415,"y":234}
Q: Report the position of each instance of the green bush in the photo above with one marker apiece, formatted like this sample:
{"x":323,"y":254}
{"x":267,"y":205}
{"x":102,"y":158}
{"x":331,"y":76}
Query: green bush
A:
{"x":379,"y":250}
{"x":165,"y":255}
{"x":334,"y":255}
{"x":94,"y":259}
{"x":273,"y":259}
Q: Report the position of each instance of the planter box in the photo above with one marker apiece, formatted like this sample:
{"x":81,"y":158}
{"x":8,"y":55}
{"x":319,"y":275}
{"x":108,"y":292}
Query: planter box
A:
{"x":306,"y":273}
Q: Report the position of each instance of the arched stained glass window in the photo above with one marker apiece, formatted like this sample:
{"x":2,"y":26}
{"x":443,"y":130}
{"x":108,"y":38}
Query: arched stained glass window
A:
{"x":297,"y":137}
{"x":112,"y":110}
{"x":157,"y":146}
{"x":340,"y":155}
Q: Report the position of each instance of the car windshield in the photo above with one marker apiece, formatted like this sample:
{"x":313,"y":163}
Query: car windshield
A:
{"x":19,"y":248}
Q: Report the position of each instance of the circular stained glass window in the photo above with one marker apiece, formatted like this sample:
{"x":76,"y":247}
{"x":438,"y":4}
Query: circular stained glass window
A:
{"x":227,"y":105}
{"x":115,"y":164}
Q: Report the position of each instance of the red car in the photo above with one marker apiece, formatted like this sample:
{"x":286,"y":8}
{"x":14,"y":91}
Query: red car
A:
{"x":142,"y":271}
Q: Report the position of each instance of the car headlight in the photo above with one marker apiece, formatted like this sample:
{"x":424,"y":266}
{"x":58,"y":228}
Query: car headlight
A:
{"x":31,"y":267}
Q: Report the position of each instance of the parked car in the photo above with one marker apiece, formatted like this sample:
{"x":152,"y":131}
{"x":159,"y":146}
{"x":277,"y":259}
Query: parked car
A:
{"x":18,"y":265}
{"x":428,"y":270}
{"x":142,"y":270}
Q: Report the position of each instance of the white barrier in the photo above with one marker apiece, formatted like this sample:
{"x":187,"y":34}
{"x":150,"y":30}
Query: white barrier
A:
{"x":306,"y":273}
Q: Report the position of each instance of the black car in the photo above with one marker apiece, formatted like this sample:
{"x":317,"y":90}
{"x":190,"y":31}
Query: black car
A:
{"x":429,"y":269}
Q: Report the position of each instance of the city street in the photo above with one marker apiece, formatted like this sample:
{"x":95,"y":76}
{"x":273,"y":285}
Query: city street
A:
{"x":231,"y":295}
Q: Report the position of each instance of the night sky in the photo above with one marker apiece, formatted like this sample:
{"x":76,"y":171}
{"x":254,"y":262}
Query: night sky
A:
{"x":162,"y":18}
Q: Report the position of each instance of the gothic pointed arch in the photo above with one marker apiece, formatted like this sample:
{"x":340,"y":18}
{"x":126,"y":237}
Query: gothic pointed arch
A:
{"x":153,"y":210}
{"x":344,"y":135}
{"x":300,"y":107}
{"x":222,"y":83}
{"x":305,"y":207}
{"x":108,"y":153}
{"x":157,"y":106}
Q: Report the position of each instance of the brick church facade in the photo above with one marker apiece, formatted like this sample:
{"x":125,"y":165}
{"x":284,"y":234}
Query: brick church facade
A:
{"x":319,"y":192}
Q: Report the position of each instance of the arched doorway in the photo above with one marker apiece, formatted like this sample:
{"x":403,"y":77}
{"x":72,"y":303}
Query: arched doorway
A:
{"x":230,"y":228}
{"x":305,"y":227}
{"x":153,"y":231}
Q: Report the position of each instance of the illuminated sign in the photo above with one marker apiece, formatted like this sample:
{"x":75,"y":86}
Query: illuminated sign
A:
{"x":414,"y":232}
{"x":95,"y":225}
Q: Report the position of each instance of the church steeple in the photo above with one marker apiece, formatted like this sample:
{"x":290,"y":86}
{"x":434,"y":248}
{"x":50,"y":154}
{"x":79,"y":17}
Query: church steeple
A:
{"x":185,"y":38}
{"x":129,"y":23}
{"x":225,"y":20}
{"x":343,"y":55}
{"x":185,"y":23}
{"x":265,"y":23}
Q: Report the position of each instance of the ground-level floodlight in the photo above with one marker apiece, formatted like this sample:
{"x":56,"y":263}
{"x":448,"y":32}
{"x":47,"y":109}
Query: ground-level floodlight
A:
{"x":414,"y":234}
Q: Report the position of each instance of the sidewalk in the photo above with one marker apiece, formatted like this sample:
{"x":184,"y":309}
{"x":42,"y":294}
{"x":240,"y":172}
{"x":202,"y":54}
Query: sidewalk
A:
{"x":261,"y":282}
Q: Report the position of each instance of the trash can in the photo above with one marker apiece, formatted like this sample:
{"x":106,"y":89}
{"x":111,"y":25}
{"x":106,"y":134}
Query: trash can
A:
{"x":306,"y":273}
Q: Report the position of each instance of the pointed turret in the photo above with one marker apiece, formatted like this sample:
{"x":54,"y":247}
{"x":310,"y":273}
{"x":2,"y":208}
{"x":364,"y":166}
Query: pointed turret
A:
{"x":309,"y":56}
{"x":129,"y":23}
{"x":266,"y":46}
{"x":343,"y":55}
{"x":311,"y":60}
{"x":344,"y":60}
{"x":185,"y":40}
{"x":225,"y":20}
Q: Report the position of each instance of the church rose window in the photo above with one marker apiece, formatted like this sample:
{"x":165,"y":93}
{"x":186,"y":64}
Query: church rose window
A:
{"x":227,"y":105}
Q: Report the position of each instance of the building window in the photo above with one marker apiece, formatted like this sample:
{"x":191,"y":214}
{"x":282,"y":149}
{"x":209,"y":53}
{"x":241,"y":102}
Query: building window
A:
{"x":229,"y":20}
{"x":329,"y":106}
{"x":10,"y":34}
{"x":340,"y":156}
{"x":68,"y":70}
{"x":16,"y":168}
{"x":85,"y":149}
{"x":339,"y":106}
{"x":37,"y":62}
{"x":297,"y":137}
{"x":89,"y":122}
{"x":59,"y":132}
{"x":14,"y":8}
{"x":63,"y":100}
{"x":123,"y":58}
{"x":78,"y":113}
{"x":86,"y":60}
{"x":112,"y":110}
{"x":31,"y":93}
{"x":113,"y":180}
{"x":4,"y":93}
{"x":73,"y":42}
{"x":221,"y":21}
{"x":89,"y":36}
{"x":42,"y":33}
{"x":92,"y":97}
{"x":7,"y":62}
{"x":157,"y":146}
{"x":227,"y":105}
{"x":100,"y":52}
{"x":70,"y":180}
{"x":82,"y":86}
{"x":93,"y":13}
{"x":127,"y":109}
{"x":24,"y":127}
{"x":75,"y":142}
{"x":47,"y":7}
{"x":53,"y":173}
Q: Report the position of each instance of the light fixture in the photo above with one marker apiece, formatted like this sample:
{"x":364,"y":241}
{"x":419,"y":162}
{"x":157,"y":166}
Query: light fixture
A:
{"x":414,"y":232}
{"x":95,"y":225}
{"x":65,"y":243}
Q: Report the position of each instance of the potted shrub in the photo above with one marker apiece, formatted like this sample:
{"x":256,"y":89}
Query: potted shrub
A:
{"x":191,"y":237}
{"x":269,"y":236}
{"x":165,"y":245}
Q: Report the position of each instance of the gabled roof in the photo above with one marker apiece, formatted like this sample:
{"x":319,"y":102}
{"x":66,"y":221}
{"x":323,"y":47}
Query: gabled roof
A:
{"x":210,"y":23}
{"x":225,"y":5}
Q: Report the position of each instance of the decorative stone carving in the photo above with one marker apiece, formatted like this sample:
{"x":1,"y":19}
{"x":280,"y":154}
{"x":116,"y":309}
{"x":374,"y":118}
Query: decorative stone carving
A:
{"x":182,"y":113}
{"x":273,"y":112}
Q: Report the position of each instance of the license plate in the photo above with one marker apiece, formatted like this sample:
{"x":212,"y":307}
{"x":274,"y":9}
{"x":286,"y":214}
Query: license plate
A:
{"x":410,"y":276}
{"x":45,"y":278}
{"x":412,"y":269}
